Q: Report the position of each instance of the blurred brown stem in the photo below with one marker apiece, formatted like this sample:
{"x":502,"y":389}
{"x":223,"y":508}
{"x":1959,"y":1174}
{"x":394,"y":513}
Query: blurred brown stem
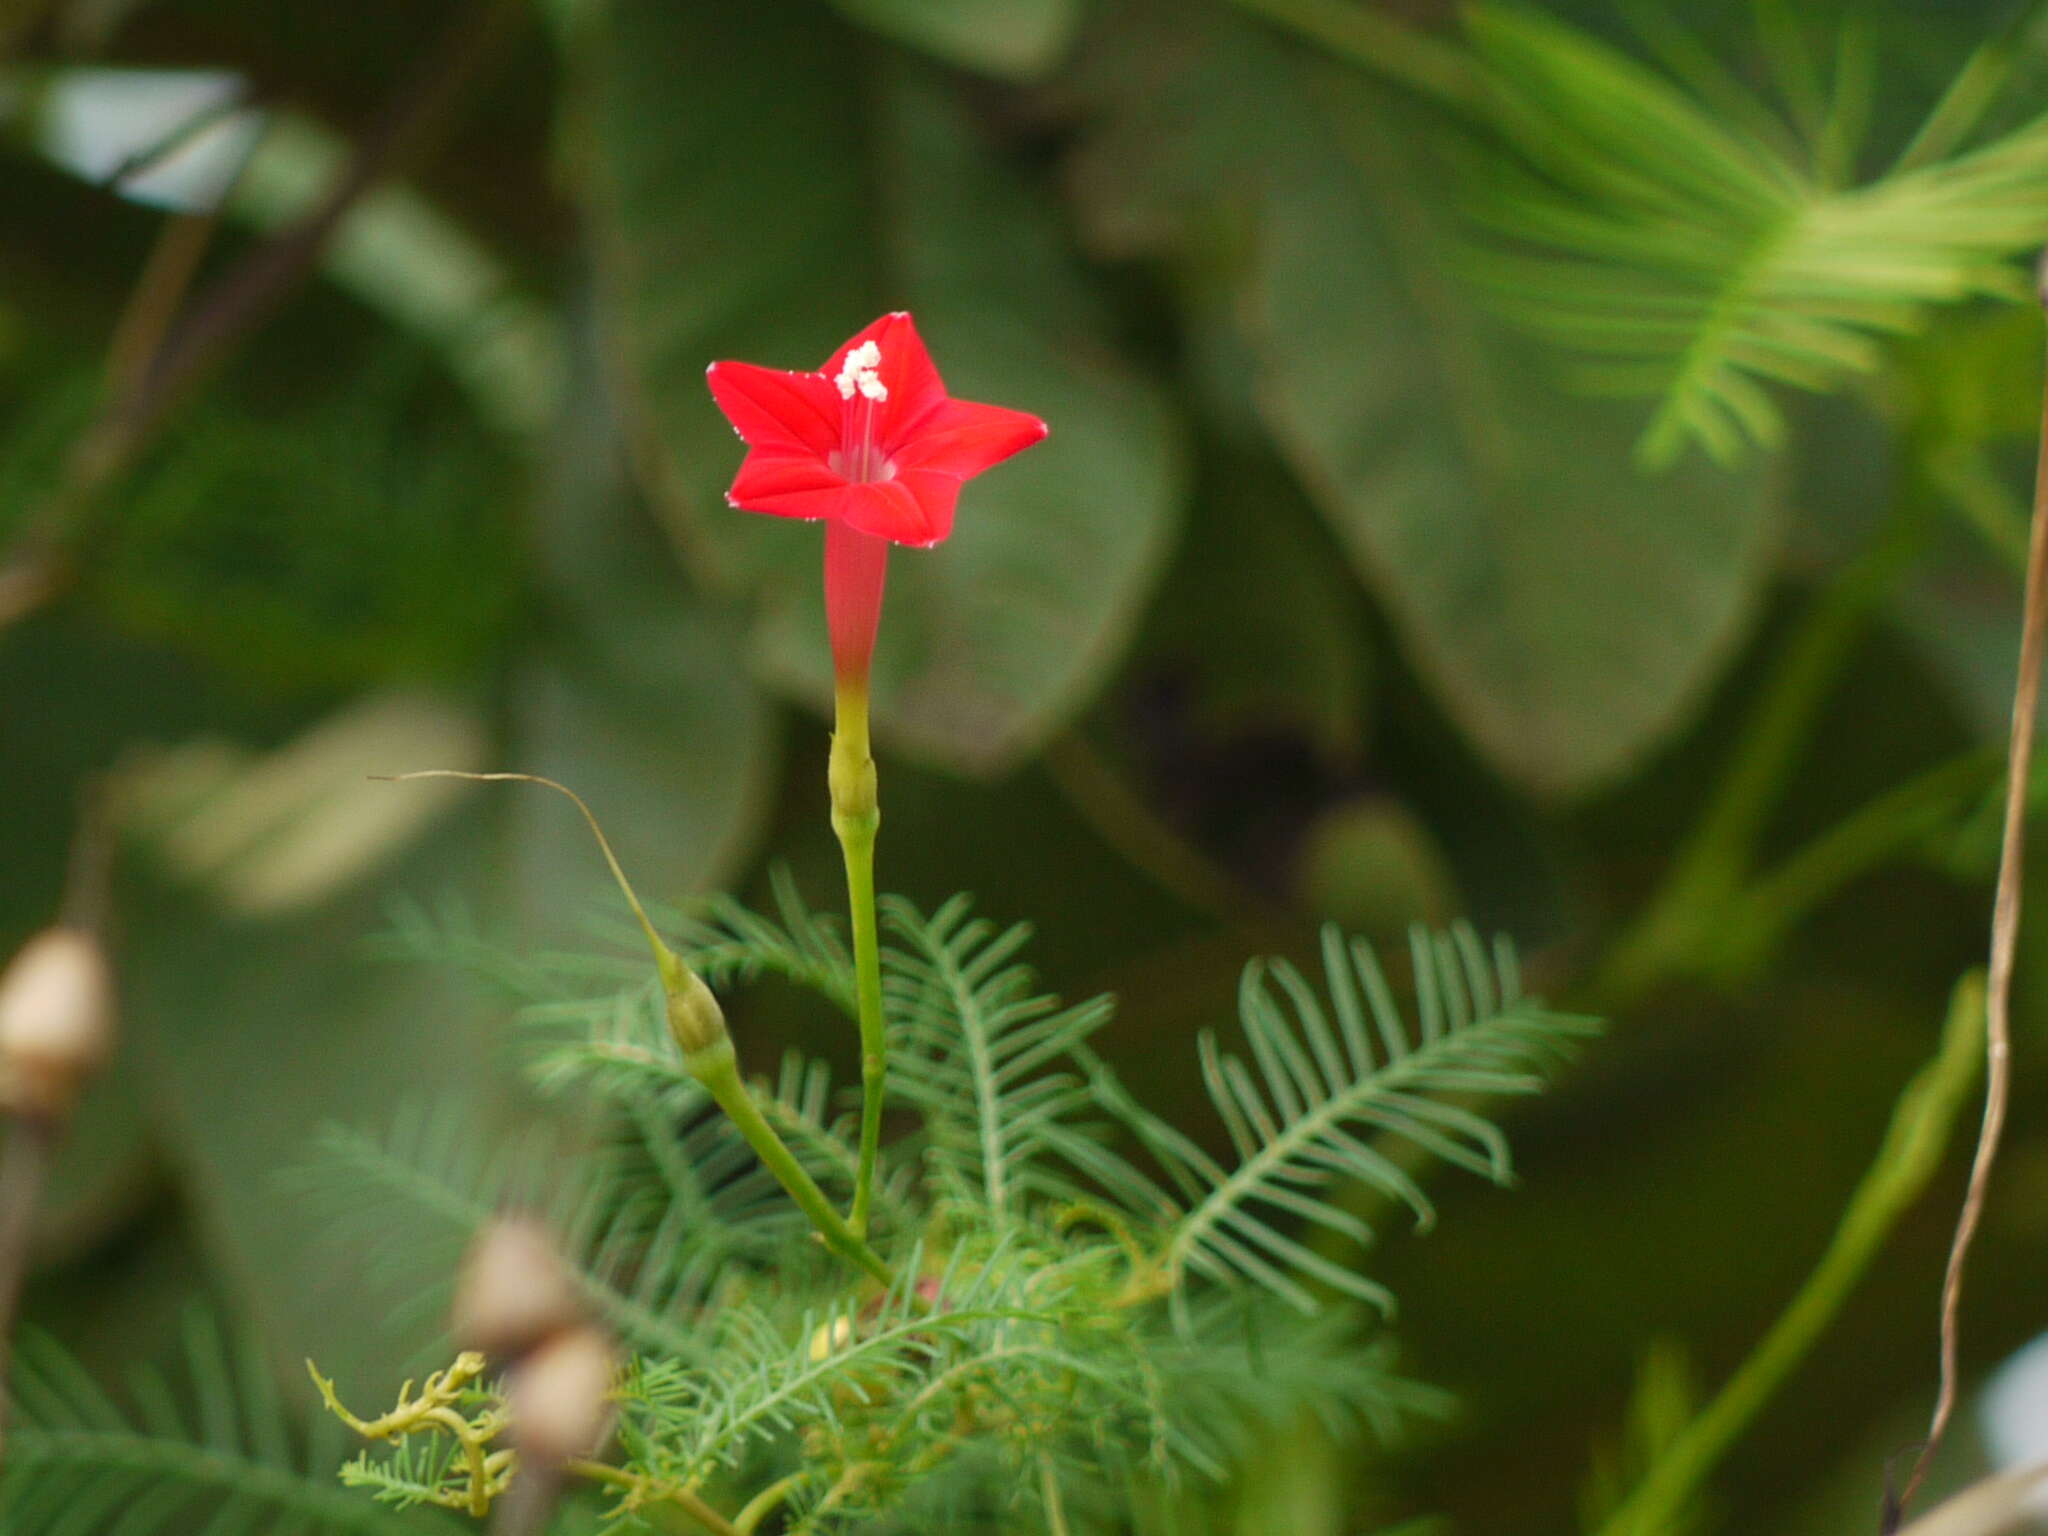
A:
{"x":147,"y":386}
{"x":158,"y":295}
{"x":525,"y":1508}
{"x":24,"y":1169}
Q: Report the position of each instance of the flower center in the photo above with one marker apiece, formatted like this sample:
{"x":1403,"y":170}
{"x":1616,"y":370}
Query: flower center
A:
{"x":862,"y":371}
{"x":861,"y":374}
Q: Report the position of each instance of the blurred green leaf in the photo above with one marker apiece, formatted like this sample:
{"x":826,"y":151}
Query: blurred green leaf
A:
{"x":1257,"y":618}
{"x":640,"y":698}
{"x":777,"y":255}
{"x":1015,"y":38}
{"x":104,"y":1169}
{"x":1663,"y":1402}
{"x":655,"y":725}
{"x":396,"y":250}
{"x":253,"y":1032}
{"x":1569,"y":611}
{"x":270,"y":832}
{"x":353,"y":536}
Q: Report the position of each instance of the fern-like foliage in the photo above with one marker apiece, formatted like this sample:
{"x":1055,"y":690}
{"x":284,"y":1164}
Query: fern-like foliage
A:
{"x":414,"y":1474}
{"x":783,"y":1373}
{"x":1092,"y":1311}
{"x":1320,"y":1102}
{"x":204,"y":1448}
{"x":987,"y":1060}
{"x":1697,"y":263}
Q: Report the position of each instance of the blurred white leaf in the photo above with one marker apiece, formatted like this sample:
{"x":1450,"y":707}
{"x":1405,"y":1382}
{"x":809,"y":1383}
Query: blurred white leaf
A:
{"x":1995,"y":1505}
{"x":276,"y":831}
{"x":181,"y":128}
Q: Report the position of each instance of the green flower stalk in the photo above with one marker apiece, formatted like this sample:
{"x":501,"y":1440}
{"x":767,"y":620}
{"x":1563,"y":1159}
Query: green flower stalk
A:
{"x":855,"y":565}
{"x":872,"y":445}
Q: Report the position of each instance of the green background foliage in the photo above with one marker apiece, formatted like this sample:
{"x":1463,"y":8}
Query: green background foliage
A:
{"x":1561,"y":464}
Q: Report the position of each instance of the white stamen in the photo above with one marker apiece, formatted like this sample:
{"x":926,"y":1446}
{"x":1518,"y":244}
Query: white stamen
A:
{"x":860,"y":371}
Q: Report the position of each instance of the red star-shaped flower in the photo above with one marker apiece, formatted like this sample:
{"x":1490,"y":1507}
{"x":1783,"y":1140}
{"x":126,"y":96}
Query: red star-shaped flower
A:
{"x":871,"y":441}
{"x":874,"y":445}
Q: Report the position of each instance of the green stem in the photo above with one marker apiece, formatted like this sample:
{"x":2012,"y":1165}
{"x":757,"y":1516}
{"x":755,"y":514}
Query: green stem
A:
{"x":642,"y":1490}
{"x":1681,"y":920}
{"x":1055,"y":1505}
{"x":717,"y":1068}
{"x":1762,"y":914}
{"x":1913,"y":1146}
{"x":856,"y":817}
{"x":766,"y":1502}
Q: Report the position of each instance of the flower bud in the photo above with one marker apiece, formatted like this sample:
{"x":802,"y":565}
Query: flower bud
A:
{"x":56,"y":1021}
{"x":694,"y":1017}
{"x":513,"y":1292}
{"x":827,"y":1339}
{"x":559,"y":1397}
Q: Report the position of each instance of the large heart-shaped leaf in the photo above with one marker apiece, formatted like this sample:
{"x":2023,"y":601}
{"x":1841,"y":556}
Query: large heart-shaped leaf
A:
{"x":864,"y":187}
{"x":1568,"y":609}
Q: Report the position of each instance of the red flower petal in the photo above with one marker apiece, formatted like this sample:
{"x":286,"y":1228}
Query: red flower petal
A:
{"x":770,"y":408}
{"x":962,"y":438}
{"x":906,"y":371}
{"x":814,"y":447}
{"x":936,"y":496}
{"x":891,"y":510}
{"x":786,"y":484}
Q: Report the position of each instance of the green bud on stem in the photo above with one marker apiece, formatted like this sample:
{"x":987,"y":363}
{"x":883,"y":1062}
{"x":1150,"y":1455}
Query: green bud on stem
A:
{"x":694,"y":1017}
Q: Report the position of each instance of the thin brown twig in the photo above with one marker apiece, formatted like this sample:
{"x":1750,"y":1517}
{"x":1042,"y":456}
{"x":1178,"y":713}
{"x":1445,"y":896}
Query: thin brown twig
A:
{"x":2005,"y":929}
{"x":250,"y":293}
{"x":158,"y":295}
{"x":37,"y":564}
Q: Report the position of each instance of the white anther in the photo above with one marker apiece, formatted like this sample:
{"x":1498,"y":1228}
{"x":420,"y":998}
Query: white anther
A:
{"x":860,"y":371}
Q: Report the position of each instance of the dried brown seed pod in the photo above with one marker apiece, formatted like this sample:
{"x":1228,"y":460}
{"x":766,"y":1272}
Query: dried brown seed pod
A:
{"x":559,"y":1397}
{"x":514,"y":1291}
{"x":56,"y":1021}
